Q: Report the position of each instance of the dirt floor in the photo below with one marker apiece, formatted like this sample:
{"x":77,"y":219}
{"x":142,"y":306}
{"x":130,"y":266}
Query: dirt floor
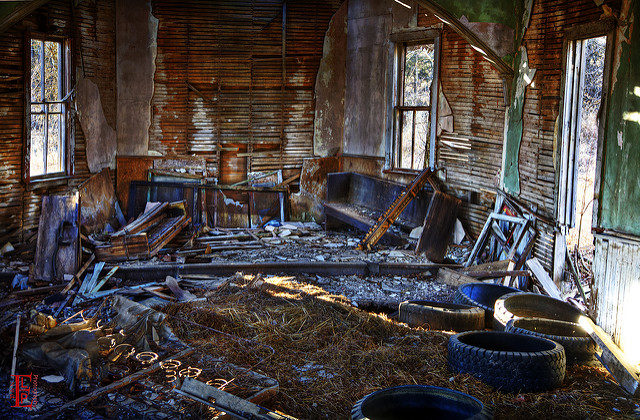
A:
{"x":328,"y":354}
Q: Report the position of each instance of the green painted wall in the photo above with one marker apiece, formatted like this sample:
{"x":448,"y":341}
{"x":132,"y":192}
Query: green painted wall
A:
{"x":620,"y":182}
{"x":7,"y":7}
{"x":506,"y":12}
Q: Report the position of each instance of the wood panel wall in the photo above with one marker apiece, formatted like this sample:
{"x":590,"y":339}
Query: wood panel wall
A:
{"x":92,"y":27}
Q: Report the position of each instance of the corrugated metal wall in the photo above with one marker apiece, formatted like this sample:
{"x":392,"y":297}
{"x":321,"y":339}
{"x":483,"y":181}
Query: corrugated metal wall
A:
{"x":616,"y":269}
{"x":473,"y":89}
{"x":544,"y":42}
{"x":94,"y":36}
{"x":232,"y":53}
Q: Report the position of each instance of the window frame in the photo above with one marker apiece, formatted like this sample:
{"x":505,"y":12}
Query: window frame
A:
{"x":67,"y":139}
{"x":566,"y":182}
{"x":402,"y":41}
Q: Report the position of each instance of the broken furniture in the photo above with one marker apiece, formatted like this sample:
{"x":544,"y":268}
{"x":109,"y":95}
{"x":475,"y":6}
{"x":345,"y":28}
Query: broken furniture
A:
{"x":358,"y":200}
{"x":212,"y":204}
{"x":391,"y":214}
{"x":146,"y":235}
{"x":438,"y":226}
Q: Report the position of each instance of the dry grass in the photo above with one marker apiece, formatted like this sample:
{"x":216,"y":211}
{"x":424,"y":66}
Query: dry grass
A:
{"x":328,"y":355}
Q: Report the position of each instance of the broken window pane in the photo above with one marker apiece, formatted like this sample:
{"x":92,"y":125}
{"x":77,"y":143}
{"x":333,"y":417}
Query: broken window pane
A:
{"x":421,"y":142}
{"x":36,"y":164}
{"x":36,"y":70}
{"x":405,"y":140}
{"x":54,"y":144}
{"x":418,"y":74}
{"x":52,"y":53}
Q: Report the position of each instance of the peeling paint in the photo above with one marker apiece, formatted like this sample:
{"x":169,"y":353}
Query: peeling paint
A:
{"x":514,"y":125}
{"x":618,"y":204}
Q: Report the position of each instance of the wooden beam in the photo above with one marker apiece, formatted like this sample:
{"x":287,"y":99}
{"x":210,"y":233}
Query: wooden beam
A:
{"x":19,"y":13}
{"x":473,"y":39}
{"x":613,"y":358}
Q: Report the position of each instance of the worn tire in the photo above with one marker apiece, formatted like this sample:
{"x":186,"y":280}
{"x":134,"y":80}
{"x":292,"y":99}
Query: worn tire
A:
{"x":482,"y":295}
{"x":579,"y":347}
{"x":441,"y":315}
{"x":532,"y":305}
{"x":507,"y":361}
{"x":419,"y":402}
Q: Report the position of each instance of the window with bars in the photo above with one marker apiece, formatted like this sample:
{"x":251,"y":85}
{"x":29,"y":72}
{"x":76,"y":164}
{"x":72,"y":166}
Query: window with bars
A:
{"x":416,"y":98}
{"x":46,"y":120}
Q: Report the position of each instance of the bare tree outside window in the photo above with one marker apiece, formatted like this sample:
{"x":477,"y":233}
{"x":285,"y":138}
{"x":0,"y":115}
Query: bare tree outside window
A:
{"x":413,"y":110}
{"x":594,"y":51}
{"x":47,"y":110}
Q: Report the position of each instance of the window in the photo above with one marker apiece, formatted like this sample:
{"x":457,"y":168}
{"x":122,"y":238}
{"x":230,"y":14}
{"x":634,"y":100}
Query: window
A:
{"x":47,"y":111}
{"x":584,"y":89}
{"x":416,"y":95}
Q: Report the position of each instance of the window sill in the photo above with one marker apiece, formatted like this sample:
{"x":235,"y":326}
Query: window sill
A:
{"x":43,"y":183}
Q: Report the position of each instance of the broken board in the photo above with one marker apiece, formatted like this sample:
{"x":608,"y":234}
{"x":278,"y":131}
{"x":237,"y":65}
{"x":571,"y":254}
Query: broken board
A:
{"x":97,"y":202}
{"x":58,"y":246}
{"x":613,"y":358}
{"x":438,"y":226}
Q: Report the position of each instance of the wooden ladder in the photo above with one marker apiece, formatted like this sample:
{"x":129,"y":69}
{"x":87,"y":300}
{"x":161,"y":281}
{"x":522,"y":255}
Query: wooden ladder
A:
{"x":388,"y":217}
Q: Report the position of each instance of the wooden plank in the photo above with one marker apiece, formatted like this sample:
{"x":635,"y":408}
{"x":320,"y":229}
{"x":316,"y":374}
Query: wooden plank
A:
{"x":227,"y":402}
{"x":613,"y":358}
{"x":19,"y":13}
{"x":453,"y":278}
{"x":56,"y":256}
{"x":486,"y":267}
{"x":545,"y":280}
{"x":473,"y":39}
{"x":79,"y":274}
{"x":97,"y":202}
{"x":438,"y":226}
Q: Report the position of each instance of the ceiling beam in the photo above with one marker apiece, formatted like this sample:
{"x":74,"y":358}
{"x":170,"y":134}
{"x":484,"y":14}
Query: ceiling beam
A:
{"x":479,"y":45}
{"x":19,"y":13}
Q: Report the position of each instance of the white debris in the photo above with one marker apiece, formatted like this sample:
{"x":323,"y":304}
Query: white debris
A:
{"x":416,"y":233}
{"x":458,"y":232}
{"x":53,"y":379}
{"x":284,"y":233}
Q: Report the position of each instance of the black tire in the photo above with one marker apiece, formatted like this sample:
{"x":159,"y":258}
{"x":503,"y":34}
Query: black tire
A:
{"x":579,"y":347}
{"x":507,"y":361}
{"x":419,"y":402}
{"x":532,"y":305}
{"x":441,"y":316}
{"x":482,"y":295}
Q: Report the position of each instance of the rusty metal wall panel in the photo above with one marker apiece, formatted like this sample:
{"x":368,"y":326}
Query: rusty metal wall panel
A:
{"x":473,"y":89}
{"x":93,"y":32}
{"x":231,"y":52}
{"x":616,"y":270}
{"x":544,"y":41}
